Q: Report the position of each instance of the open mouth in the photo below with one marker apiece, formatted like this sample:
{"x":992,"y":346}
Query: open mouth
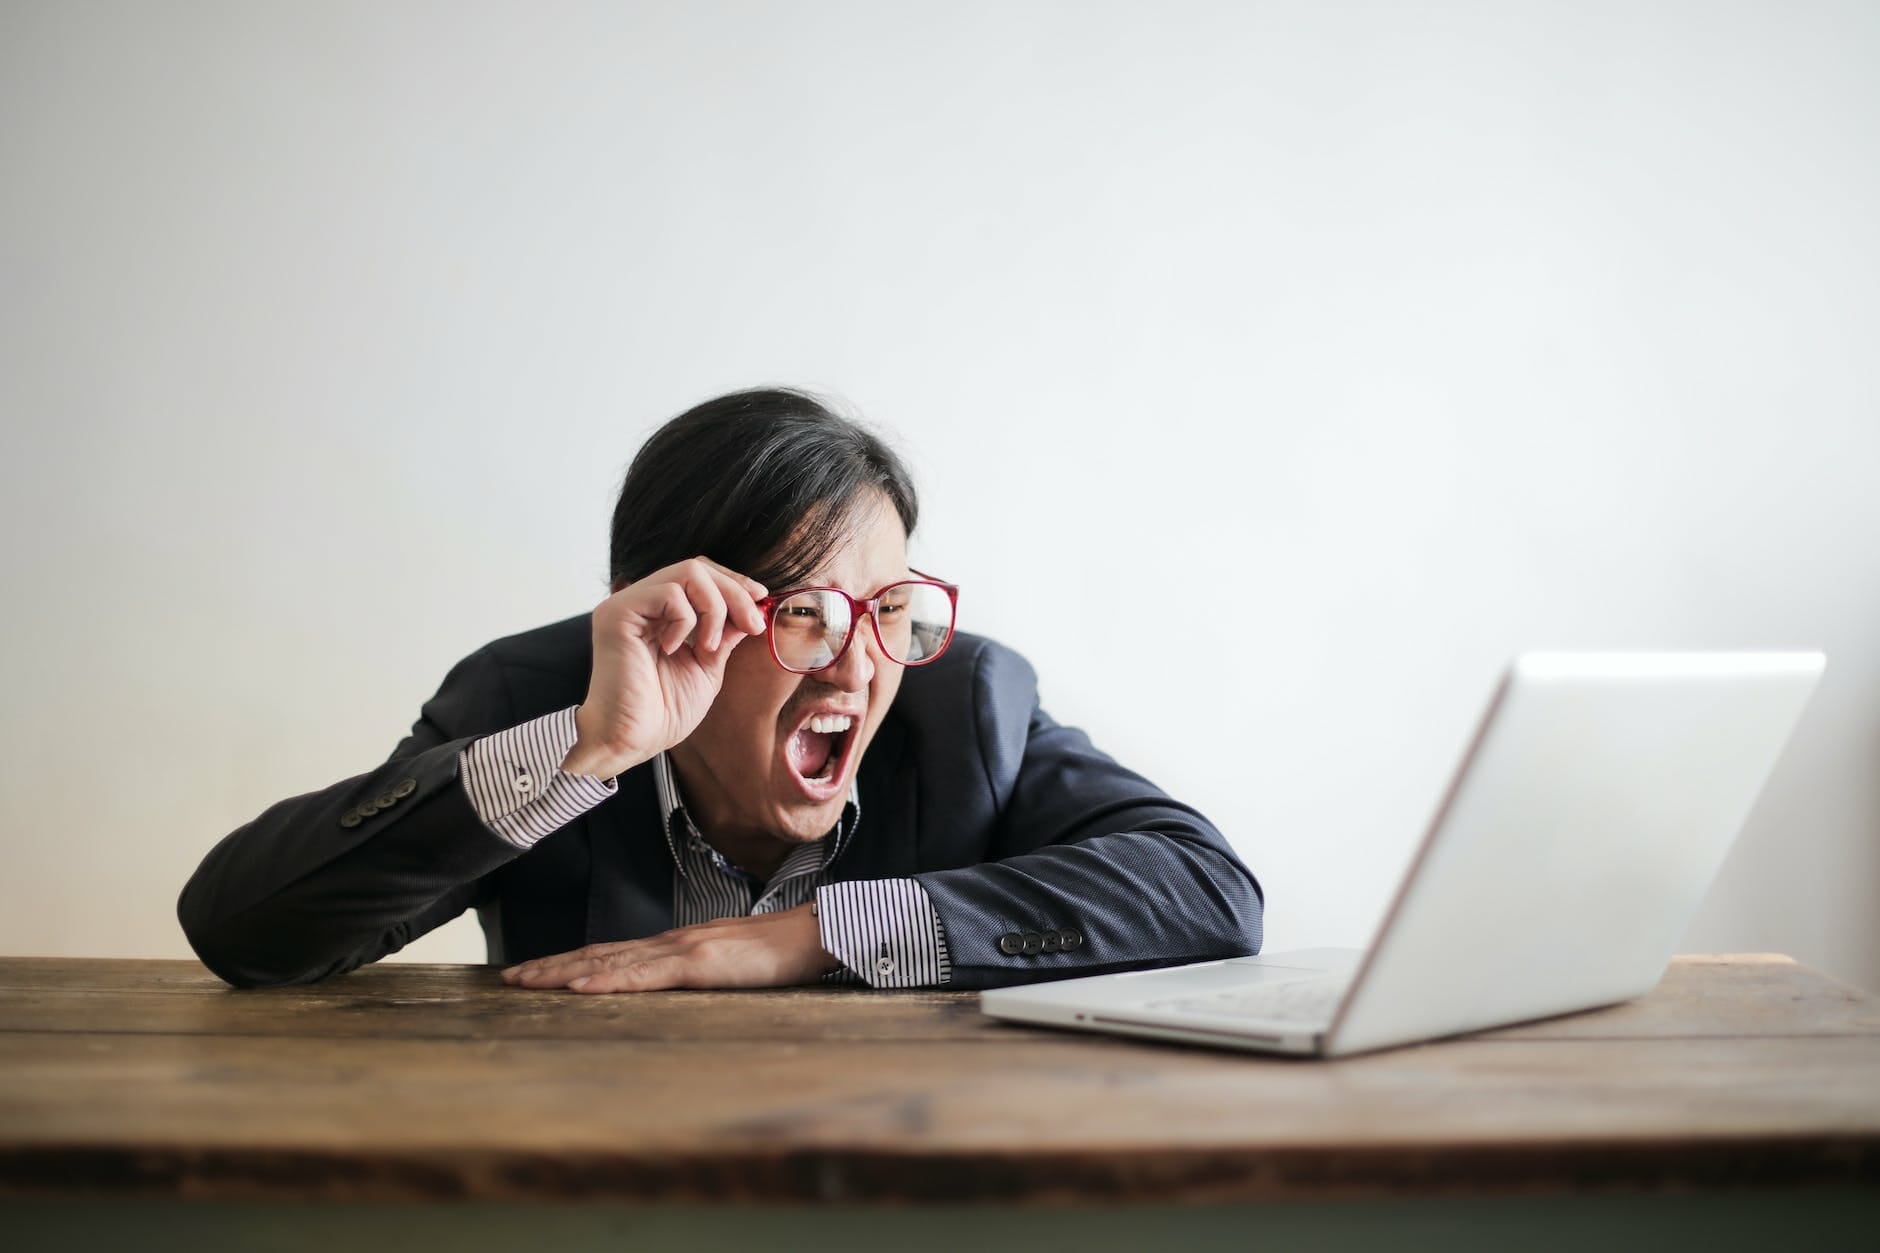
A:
{"x":818,"y":751}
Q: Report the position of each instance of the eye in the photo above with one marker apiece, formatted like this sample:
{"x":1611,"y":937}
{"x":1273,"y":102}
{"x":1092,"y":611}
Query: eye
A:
{"x":803,"y":613}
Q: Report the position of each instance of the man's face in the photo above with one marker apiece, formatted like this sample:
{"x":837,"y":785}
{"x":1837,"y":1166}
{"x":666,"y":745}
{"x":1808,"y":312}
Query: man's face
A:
{"x":757,"y":777}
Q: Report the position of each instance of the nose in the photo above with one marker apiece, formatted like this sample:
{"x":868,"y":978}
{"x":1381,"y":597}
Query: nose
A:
{"x":857,"y":668}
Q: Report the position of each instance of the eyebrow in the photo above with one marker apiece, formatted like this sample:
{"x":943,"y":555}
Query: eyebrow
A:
{"x":879,"y":587}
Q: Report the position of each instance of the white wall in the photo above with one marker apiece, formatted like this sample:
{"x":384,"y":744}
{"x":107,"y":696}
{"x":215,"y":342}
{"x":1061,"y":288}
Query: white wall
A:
{"x":1375,"y":341}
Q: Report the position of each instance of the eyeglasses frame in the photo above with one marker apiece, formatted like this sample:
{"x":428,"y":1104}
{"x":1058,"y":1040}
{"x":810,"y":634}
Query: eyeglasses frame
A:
{"x":860,"y":608}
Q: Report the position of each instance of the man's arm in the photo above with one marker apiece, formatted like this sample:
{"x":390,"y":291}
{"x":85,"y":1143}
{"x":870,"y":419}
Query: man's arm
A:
{"x":322,"y":883}
{"x":325,"y":882}
{"x":1092,"y":869}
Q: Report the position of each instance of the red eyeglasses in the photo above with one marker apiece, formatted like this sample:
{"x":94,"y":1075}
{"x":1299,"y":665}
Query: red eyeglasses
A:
{"x":811,"y":628}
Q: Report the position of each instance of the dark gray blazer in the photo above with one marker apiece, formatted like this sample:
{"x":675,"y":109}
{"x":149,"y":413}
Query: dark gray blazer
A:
{"x":1011,"y":822}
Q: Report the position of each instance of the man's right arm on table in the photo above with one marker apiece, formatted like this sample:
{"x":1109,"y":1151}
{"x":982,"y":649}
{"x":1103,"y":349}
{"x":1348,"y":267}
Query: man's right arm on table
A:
{"x":331,"y":880}
{"x":325,"y":882}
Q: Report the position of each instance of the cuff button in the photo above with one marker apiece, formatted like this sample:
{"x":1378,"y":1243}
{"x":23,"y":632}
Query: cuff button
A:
{"x":1034,"y":943}
{"x":404,"y":788}
{"x":1071,"y":939}
{"x":350,"y":819}
{"x":1011,"y":944}
{"x":884,"y":965}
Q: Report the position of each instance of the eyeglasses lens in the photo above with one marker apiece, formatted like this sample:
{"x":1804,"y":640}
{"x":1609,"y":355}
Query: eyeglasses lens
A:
{"x":808,"y":629}
{"x":916,"y":619}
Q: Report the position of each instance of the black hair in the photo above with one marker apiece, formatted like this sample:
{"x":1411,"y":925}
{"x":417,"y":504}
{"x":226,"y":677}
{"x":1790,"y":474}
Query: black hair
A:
{"x":765,"y":481}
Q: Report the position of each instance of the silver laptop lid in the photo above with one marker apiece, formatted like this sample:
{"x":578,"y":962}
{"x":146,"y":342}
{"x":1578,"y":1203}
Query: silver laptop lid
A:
{"x":1577,"y":840}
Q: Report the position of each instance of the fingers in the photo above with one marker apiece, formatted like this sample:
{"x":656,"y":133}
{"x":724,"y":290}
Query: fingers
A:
{"x":741,"y":596}
{"x":752,"y":588}
{"x":758,"y":950}
{"x":558,"y":971}
{"x":628,"y":966}
{"x":705,"y":589}
{"x":700,"y":600}
{"x":676,"y":618}
{"x":650,"y":974}
{"x":688,"y":607}
{"x":737,"y":594}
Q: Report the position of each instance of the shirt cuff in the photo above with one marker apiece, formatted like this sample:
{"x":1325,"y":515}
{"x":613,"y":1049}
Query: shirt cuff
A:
{"x":517,"y":786}
{"x":886,"y":931}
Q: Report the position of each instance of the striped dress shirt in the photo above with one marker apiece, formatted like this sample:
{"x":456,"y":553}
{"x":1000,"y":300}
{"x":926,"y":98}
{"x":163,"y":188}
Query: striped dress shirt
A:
{"x":884,"y":931}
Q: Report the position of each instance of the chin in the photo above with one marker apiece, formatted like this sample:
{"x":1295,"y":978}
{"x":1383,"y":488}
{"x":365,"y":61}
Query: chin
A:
{"x":802,"y":823}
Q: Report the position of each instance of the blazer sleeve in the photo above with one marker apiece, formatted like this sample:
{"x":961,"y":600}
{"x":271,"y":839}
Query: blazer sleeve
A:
{"x":325,"y":882}
{"x":1084,"y":850}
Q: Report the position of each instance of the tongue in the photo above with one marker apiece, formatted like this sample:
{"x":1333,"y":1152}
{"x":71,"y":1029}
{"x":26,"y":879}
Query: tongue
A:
{"x":810,"y":751}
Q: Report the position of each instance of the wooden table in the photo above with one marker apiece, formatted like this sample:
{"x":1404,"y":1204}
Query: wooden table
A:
{"x":148,"y":1082}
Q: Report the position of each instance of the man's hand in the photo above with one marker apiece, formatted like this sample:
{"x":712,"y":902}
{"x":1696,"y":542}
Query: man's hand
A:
{"x":760,"y":951}
{"x":660,"y":646}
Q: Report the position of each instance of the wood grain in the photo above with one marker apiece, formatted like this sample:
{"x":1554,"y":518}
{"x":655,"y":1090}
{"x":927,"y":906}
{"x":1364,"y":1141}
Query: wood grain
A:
{"x":409,"y":1082}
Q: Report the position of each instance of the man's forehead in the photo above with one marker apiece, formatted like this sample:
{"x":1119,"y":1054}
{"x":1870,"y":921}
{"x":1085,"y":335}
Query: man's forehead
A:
{"x":871,"y":554}
{"x":859,"y":580}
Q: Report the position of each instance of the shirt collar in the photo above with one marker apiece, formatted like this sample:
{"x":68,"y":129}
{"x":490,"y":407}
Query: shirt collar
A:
{"x":674,"y":818}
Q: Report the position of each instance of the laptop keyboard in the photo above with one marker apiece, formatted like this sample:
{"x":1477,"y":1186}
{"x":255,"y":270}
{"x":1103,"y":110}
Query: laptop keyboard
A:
{"x":1300,"y":1000}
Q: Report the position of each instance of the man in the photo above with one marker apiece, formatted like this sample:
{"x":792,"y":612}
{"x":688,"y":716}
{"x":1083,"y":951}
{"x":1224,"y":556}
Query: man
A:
{"x":769,"y":764}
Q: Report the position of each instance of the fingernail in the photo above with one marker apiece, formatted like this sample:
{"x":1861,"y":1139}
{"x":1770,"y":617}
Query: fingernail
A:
{"x":510,"y":973}
{"x":578,"y":984}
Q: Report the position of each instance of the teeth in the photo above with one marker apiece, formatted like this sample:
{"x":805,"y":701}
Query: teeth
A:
{"x":829,"y":724}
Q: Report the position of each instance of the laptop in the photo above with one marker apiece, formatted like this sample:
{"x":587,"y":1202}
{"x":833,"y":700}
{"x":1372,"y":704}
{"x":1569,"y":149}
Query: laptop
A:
{"x":1580,"y":833}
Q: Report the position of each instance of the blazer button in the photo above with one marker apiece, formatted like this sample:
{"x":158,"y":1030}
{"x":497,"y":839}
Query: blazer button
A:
{"x":349,"y":819}
{"x":1011,"y":943}
{"x":1071,"y":939}
{"x":386,"y":800}
{"x":1034,"y":943}
{"x":368,"y":809}
{"x":405,"y":788}
{"x":1053,"y":941}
